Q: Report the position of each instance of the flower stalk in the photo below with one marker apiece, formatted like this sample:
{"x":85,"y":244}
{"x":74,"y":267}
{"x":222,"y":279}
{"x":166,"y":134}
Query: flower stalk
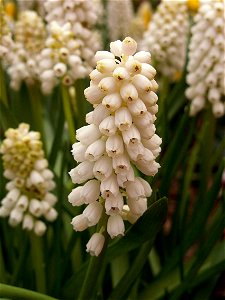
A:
{"x":67,"y":112}
{"x":3,"y":94}
{"x":93,"y":272}
{"x":37,"y":112}
{"x":36,"y":244}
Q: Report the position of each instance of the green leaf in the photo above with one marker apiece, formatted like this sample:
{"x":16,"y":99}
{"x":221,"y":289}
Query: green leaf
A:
{"x":72,"y":286}
{"x":176,"y":152}
{"x":3,"y":88}
{"x":118,"y":267}
{"x":214,"y":264}
{"x":145,"y":229}
{"x":204,"y":292}
{"x":196,"y":225}
{"x":20,"y":106}
{"x":135,"y":237}
{"x":129,"y":277}
{"x":7,"y":118}
{"x":199,"y":219}
{"x":212,"y":236}
{"x":218,"y":153}
{"x":17,"y":293}
{"x":142,"y":233}
{"x":206,"y":154}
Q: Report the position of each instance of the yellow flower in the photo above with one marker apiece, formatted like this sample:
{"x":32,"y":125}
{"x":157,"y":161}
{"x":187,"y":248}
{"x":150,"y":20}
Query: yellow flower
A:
{"x":193,"y":5}
{"x":177,"y":76}
{"x":145,"y":13}
{"x":10,"y":9}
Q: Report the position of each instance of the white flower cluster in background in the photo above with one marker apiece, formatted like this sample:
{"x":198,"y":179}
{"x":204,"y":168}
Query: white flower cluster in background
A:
{"x":80,"y":13}
{"x":120,"y":137}
{"x":119,"y":17}
{"x":37,"y":5}
{"x":72,"y":42}
{"x":60,"y":60}
{"x":166,"y":37}
{"x":29,"y":200}
{"x":30,"y":31}
{"x":22,"y":61}
{"x":206,"y":67}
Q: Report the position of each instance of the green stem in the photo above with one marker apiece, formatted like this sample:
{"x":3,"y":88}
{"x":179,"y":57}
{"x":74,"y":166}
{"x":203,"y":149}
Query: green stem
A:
{"x":190,"y":170}
{"x":162,"y":114}
{"x":129,"y":278}
{"x":38,"y":262}
{"x":81,"y":103}
{"x":68,"y":113}
{"x":3,"y":94}
{"x":37,"y":112}
{"x":93,"y":272}
{"x":15,"y":293}
{"x":2,"y":264}
{"x":18,"y":269}
{"x":207,"y":148}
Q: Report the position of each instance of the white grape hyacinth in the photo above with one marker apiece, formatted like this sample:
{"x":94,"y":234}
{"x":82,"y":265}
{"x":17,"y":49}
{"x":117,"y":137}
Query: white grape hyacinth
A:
{"x":206,"y":77}
{"x":120,"y":14}
{"x":37,"y":5}
{"x":120,"y":137}
{"x":71,"y":44}
{"x":29,"y":200}
{"x":22,"y":59}
{"x":166,"y":37}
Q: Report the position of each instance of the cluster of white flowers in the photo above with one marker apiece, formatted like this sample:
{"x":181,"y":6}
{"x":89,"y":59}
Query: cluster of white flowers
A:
{"x":119,"y":17}
{"x":37,"y":5}
{"x":71,"y":44}
{"x":166,"y":37}
{"x":80,"y":13}
{"x":63,"y":51}
{"x":23,"y":56}
{"x":29,"y":196}
{"x":206,"y":75}
{"x":61,"y":60}
{"x":30,"y":31}
{"x":120,"y":137}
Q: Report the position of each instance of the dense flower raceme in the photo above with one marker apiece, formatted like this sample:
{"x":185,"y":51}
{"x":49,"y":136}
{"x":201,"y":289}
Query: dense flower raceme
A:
{"x":206,"y":77}
{"x":166,"y":37}
{"x":71,"y":44}
{"x":29,"y":200}
{"x":119,"y":17}
{"x":120,"y":135}
{"x":30,"y":31}
{"x":37,"y":5}
{"x":22,"y":59}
